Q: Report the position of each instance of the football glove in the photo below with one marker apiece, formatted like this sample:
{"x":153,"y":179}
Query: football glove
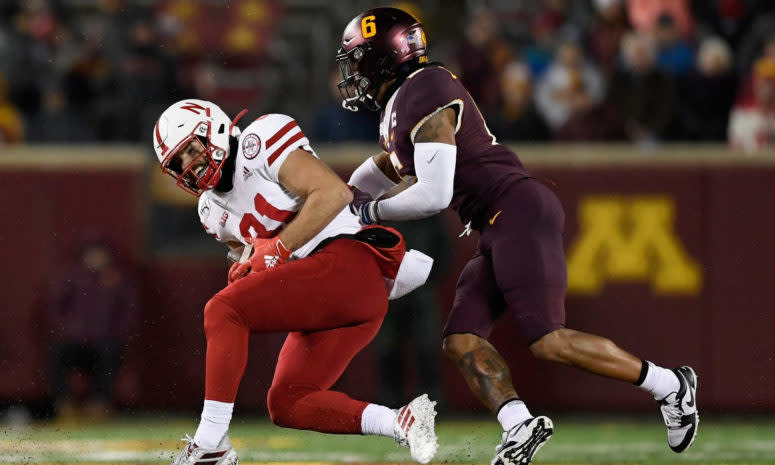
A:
{"x":364,"y":206}
{"x":267,"y":253}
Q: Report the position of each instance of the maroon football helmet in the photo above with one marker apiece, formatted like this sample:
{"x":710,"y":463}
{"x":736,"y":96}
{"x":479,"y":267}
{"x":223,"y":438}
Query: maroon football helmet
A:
{"x":374,"y":46}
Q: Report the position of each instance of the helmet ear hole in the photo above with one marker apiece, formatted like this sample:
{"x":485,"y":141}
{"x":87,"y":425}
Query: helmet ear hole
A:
{"x":221,"y":128}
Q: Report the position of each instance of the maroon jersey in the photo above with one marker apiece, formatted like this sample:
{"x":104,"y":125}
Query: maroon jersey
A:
{"x":484,"y":167}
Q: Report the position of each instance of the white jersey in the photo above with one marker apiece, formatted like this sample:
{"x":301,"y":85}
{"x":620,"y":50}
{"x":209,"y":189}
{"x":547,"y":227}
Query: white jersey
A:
{"x":258,"y":205}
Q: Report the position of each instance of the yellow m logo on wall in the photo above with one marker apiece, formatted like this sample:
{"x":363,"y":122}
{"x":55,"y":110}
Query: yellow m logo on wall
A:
{"x":630,"y":239}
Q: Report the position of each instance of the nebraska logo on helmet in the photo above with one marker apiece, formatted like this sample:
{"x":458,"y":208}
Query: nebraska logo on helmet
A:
{"x":251,"y":145}
{"x":375,"y":47}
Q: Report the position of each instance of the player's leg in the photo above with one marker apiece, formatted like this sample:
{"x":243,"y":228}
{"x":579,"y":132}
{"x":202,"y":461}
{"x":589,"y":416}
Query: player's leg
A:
{"x":308,"y":294}
{"x":478,"y":303}
{"x":310,"y":363}
{"x":535,"y":292}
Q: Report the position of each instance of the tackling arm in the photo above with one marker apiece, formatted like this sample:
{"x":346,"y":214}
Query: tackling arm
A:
{"x":375,"y":176}
{"x":434,"y":163}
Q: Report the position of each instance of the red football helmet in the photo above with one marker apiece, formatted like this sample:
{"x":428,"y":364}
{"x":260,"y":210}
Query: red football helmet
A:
{"x":374,"y":46}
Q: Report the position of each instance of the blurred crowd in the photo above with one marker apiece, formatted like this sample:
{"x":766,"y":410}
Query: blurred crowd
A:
{"x":645,"y":71}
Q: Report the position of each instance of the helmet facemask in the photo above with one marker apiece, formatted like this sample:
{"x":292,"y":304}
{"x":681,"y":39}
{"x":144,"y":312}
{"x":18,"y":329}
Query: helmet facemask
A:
{"x":202,"y":159}
{"x":355,"y":88}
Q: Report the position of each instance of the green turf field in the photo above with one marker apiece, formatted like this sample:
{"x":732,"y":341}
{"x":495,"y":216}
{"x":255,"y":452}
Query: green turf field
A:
{"x":591,"y":441}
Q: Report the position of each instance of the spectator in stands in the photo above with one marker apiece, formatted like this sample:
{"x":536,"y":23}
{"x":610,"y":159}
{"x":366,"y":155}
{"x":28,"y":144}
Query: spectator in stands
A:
{"x":611,"y":24}
{"x":11,"y":122}
{"x":759,"y":40}
{"x":674,"y":54}
{"x":146,"y":80}
{"x":706,"y":95}
{"x":752,"y":123}
{"x":92,"y":312}
{"x":22,"y":60}
{"x":335,"y":124}
{"x":58,"y":120}
{"x":481,"y":57}
{"x":729,"y":19}
{"x":538,"y":53}
{"x":518,"y":118}
{"x":572,"y":86}
{"x":644,"y":95}
{"x":644,"y":15}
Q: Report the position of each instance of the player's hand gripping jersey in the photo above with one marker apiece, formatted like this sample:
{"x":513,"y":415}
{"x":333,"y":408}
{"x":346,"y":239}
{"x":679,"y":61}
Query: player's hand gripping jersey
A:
{"x":482,"y":163}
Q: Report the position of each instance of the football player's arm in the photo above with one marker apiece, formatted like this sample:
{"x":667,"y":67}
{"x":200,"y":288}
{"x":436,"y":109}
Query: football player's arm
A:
{"x":375,"y":176}
{"x":324,"y":192}
{"x":435,"y":157}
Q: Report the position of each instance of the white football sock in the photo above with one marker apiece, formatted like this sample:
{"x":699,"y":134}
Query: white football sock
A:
{"x":513,"y":413}
{"x":214,"y":424}
{"x":659,"y":382}
{"x":377,"y":420}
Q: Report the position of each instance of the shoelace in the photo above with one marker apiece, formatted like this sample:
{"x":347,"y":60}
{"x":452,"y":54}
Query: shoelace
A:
{"x":506,"y":434}
{"x":673,"y":414}
{"x":189,"y":444}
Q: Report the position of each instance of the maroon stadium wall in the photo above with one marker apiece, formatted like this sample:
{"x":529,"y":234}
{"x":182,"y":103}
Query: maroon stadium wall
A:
{"x":672,"y":261}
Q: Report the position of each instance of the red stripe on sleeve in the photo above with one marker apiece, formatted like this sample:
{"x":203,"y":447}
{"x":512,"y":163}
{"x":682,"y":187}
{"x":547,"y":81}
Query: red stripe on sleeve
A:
{"x":283,"y":131}
{"x":282,"y":148}
{"x":265,"y":208}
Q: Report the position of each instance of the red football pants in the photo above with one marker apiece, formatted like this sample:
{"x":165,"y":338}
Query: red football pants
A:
{"x":331,"y":302}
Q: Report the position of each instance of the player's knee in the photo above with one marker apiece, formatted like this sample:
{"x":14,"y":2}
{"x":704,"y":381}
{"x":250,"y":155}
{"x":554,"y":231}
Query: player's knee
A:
{"x":215,"y":314}
{"x":554,"y":347}
{"x":455,"y":346}
{"x":279,"y":404}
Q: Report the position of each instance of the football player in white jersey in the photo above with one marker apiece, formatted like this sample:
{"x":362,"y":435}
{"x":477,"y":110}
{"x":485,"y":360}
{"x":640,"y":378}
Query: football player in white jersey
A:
{"x":314,"y":272}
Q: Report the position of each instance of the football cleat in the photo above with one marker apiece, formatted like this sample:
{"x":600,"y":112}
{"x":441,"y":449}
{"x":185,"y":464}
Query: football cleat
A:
{"x":679,"y":410}
{"x":521,"y":443}
{"x":222,"y":454}
{"x":415,"y":428}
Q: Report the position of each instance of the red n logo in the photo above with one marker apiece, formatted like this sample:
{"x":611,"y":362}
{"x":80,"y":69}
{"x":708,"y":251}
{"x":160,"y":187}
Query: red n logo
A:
{"x":195,"y":107}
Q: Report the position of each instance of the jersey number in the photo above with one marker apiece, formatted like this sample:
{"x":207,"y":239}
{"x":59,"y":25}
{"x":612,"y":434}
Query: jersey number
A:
{"x":368,"y":28}
{"x":265,"y":209}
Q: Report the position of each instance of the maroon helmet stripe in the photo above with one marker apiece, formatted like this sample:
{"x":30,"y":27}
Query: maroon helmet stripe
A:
{"x":282,"y":148}
{"x":281,"y":133}
{"x":158,"y":139}
{"x":213,"y":455}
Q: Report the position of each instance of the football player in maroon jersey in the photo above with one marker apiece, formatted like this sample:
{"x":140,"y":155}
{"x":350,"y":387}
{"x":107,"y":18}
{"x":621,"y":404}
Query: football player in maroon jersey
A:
{"x":437,"y":145}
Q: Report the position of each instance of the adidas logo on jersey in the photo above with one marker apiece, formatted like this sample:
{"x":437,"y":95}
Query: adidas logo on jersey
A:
{"x":246,"y":173}
{"x":271,"y":260}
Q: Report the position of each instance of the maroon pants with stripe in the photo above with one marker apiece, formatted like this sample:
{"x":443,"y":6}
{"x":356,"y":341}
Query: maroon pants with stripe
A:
{"x":332,"y":303}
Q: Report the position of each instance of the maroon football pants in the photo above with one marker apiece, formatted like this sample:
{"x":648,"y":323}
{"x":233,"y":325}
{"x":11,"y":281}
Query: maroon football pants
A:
{"x":332,"y":304}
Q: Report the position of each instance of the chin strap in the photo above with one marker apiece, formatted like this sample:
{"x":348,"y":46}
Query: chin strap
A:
{"x":232,"y":126}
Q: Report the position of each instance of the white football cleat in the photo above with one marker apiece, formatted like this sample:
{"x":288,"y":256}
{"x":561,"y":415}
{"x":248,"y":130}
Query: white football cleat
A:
{"x":415,"y":428}
{"x":521,"y":443}
{"x":679,"y":410}
{"x":222,"y":454}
